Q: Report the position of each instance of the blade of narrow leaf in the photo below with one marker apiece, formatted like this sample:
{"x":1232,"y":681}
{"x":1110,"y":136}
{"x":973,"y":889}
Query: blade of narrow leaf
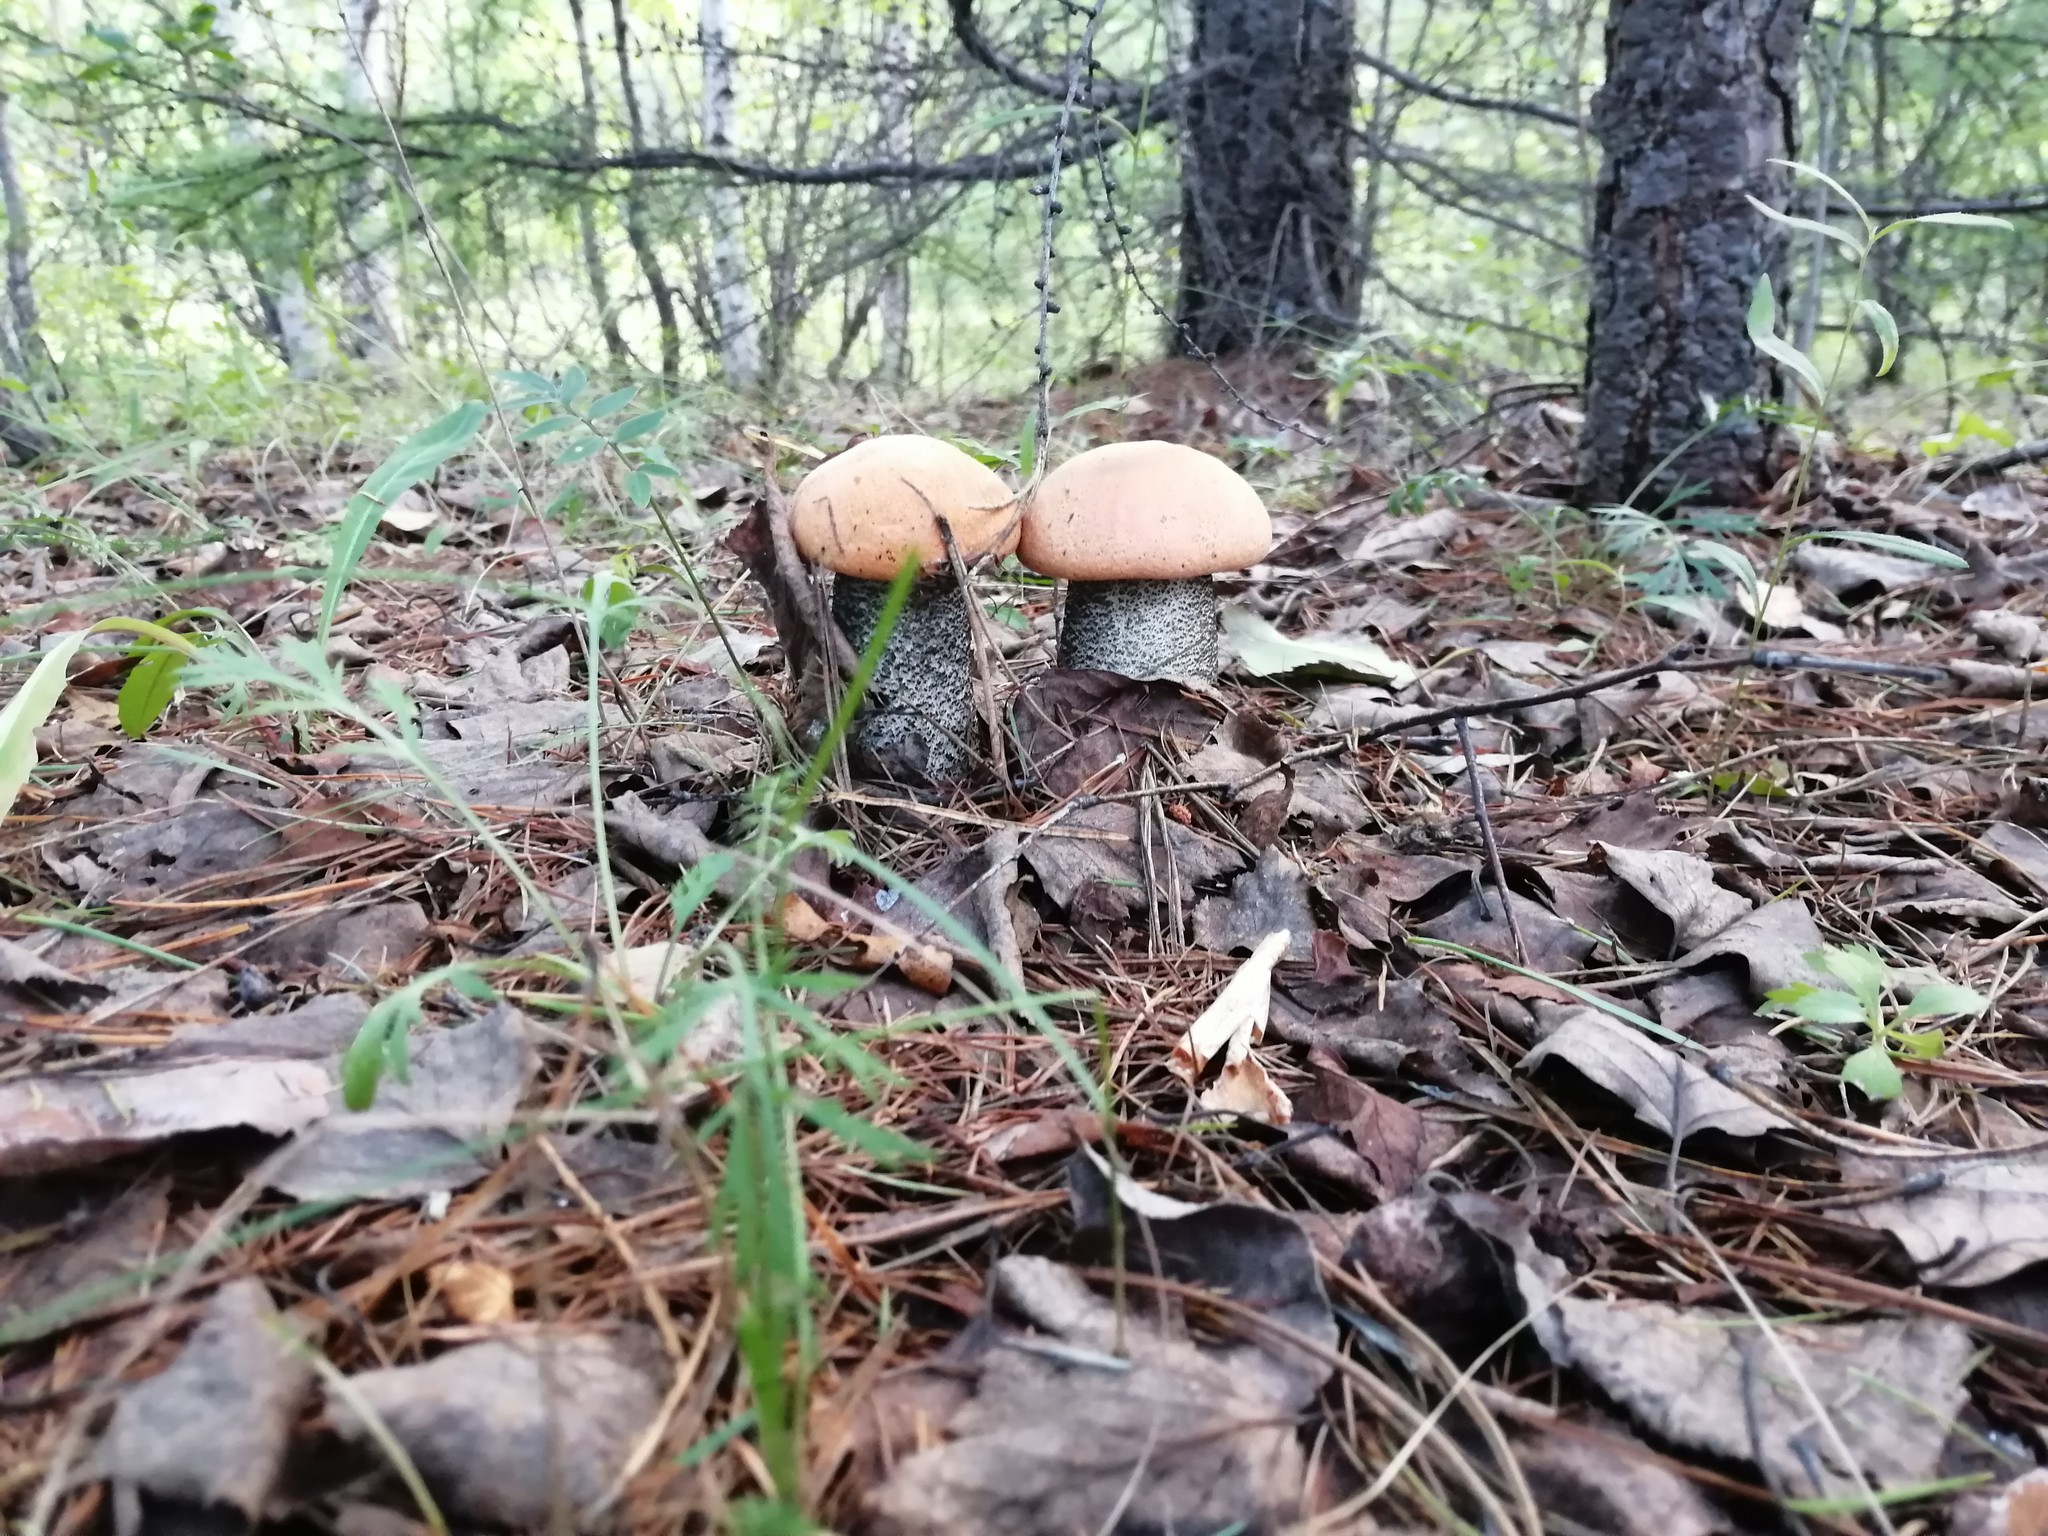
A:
{"x":1975,"y":220}
{"x":1810,"y":226}
{"x":411,"y":462}
{"x":1763,"y":315}
{"x":1887,"y":330}
{"x":147,"y":691}
{"x":1819,"y":175}
{"x":1898,"y":544}
{"x":25,"y":714}
{"x":878,"y":1141}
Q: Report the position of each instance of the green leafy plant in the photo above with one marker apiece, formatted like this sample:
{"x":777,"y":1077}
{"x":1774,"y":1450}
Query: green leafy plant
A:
{"x":1884,"y":1001}
{"x":589,"y":427}
{"x":1763,"y":304}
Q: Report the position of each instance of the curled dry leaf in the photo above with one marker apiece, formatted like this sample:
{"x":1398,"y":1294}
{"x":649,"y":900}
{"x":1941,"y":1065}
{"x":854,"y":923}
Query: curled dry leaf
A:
{"x":925,"y":966}
{"x":56,"y":1121}
{"x":1233,"y":1024}
{"x":1666,"y":1090}
{"x":1681,"y":886}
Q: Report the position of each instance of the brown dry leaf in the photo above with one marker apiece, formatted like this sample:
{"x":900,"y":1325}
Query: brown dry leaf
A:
{"x":1961,"y":1221}
{"x":1397,"y":1141}
{"x":799,"y":920}
{"x":1601,"y":1479}
{"x":1679,"y":885}
{"x":1175,"y":1435}
{"x":30,"y":985}
{"x":213,"y":1428}
{"x":1270,"y":897}
{"x":1554,"y":946}
{"x":95,"y":1257}
{"x":1772,"y":943}
{"x":1889,"y":1390}
{"x":2020,"y":849}
{"x":369,"y":941}
{"x":69,"y":1120}
{"x":502,"y":1430}
{"x":1397,"y":541}
{"x":1079,"y":730}
{"x":924,"y":966}
{"x":476,"y":1292}
{"x":1100,"y":845}
{"x":1670,"y":1092}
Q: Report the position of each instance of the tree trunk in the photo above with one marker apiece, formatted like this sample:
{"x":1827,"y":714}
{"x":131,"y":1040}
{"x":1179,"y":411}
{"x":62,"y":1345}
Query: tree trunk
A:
{"x":1699,"y":97}
{"x":739,"y":330}
{"x":897,"y":57}
{"x":368,"y":291}
{"x":1267,"y":248}
{"x":637,"y":234}
{"x":21,"y":345}
{"x":586,"y":210}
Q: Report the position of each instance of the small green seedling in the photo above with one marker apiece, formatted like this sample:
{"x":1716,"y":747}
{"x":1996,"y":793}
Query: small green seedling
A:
{"x":1871,"y":1001}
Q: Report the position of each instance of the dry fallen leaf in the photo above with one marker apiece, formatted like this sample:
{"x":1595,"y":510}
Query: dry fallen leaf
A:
{"x":502,"y":1429}
{"x":213,"y":1427}
{"x":1681,"y":886}
{"x":1232,"y":1024}
{"x":1671,"y":1092}
{"x":1962,"y":1221}
{"x":1085,"y":1419}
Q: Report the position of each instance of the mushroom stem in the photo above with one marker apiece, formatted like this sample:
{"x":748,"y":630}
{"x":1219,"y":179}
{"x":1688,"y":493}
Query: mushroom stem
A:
{"x":917,"y":721}
{"x":1142,"y":629}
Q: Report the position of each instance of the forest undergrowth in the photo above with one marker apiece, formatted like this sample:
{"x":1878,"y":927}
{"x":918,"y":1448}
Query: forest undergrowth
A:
{"x":472,"y":1053}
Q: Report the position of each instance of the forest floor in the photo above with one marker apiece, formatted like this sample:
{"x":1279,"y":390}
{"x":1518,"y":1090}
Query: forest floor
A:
{"x":712,"y":1158}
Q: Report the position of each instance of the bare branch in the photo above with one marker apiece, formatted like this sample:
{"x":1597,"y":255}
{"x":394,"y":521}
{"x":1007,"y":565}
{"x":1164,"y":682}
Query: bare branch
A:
{"x":1457,"y":98}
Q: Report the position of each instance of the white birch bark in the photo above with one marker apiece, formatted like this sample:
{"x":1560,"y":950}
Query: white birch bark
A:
{"x":897,"y":57}
{"x":739,"y":330}
{"x":370,"y":293}
{"x":299,"y":330}
{"x":301,"y":333}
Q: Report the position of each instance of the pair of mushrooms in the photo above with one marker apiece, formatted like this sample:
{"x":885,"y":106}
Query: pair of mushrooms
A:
{"x":1137,"y":530}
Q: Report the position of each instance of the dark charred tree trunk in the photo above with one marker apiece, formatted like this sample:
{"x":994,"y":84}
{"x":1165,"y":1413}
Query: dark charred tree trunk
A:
{"x":1699,"y":97}
{"x":1267,"y":246}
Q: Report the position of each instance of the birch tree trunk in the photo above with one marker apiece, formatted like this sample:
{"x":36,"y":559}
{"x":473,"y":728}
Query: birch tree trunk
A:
{"x":288,"y":306}
{"x":1268,"y":248}
{"x":896,"y":57}
{"x":637,"y":233}
{"x":20,"y":342}
{"x":370,"y":295}
{"x":739,"y":331}
{"x":586,"y":210}
{"x":1698,"y":99}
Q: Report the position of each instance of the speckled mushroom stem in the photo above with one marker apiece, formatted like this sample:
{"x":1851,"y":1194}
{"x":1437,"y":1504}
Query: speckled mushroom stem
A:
{"x":917,"y":721}
{"x":1142,"y":629}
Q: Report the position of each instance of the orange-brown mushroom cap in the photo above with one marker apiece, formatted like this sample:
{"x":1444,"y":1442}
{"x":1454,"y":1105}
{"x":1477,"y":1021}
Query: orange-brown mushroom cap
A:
{"x":1143,"y":512}
{"x":861,"y":511}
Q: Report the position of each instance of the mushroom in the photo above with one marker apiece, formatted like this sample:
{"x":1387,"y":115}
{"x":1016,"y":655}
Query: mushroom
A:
{"x":861,"y":513}
{"x":1138,"y":529}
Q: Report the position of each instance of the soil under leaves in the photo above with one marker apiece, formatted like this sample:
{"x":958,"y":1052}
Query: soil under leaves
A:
{"x":1551,"y":1134}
